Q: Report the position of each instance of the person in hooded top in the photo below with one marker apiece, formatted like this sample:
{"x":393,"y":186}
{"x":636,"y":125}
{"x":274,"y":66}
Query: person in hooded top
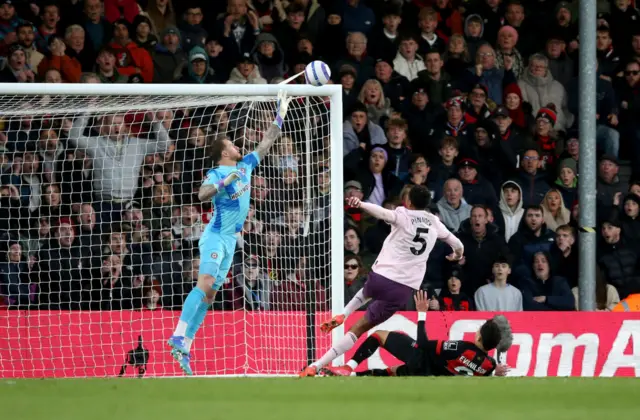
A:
{"x":198,"y":70}
{"x":511,"y":210}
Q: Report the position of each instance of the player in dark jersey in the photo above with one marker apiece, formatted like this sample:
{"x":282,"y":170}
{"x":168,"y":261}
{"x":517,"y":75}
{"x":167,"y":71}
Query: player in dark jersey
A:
{"x":424,"y":357}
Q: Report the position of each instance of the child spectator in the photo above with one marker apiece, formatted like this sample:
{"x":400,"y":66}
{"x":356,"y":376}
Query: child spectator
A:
{"x":384,"y":42}
{"x":397,"y":148}
{"x":445,"y":169}
{"x":452,"y":298}
{"x":347,"y":78}
{"x":145,"y":34}
{"x":499,"y":295}
{"x":473,"y":30}
{"x":407,"y":62}
{"x":514,"y":103}
{"x":17,"y":70}
{"x":106,"y":67}
{"x":429,"y":39}
{"x":567,"y":181}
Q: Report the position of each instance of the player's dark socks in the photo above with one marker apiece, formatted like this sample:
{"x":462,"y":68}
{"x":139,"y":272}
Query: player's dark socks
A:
{"x":374,"y":372}
{"x":366,"y":349}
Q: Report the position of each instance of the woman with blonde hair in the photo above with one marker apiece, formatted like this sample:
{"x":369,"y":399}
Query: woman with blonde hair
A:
{"x":555,"y":213}
{"x":161,"y":13}
{"x":378,"y":106}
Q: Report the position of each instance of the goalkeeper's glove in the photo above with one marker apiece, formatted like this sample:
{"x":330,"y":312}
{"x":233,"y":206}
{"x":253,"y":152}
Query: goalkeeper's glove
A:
{"x":281,"y":108}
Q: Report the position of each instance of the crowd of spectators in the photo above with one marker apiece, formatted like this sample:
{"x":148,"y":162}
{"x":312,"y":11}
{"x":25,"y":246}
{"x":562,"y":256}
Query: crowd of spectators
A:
{"x":477,"y":100}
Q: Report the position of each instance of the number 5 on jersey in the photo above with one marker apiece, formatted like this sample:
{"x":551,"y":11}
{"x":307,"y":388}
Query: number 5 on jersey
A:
{"x":419,"y":239}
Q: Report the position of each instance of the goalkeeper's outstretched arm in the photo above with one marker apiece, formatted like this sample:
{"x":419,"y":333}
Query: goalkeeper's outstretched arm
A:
{"x":207,"y":191}
{"x":273,"y":133}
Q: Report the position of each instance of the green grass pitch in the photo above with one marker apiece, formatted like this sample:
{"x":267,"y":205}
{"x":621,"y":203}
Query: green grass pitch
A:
{"x":320,"y":398}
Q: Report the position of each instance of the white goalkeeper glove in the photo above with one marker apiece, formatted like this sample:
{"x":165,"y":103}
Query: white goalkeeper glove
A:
{"x":281,"y":108}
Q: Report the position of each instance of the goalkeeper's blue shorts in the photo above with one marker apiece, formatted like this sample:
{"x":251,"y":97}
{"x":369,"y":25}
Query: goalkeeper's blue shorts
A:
{"x":216,"y":256}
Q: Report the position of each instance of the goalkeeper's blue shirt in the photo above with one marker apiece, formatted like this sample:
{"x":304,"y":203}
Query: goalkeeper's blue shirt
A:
{"x":231,"y":206}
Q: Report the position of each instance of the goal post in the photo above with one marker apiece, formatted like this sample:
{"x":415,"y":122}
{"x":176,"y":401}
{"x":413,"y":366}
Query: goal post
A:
{"x":99,"y":228}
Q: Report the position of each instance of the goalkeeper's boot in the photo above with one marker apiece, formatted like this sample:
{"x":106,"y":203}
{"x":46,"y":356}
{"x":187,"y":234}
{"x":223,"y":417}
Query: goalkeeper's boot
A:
{"x":338,"y":371}
{"x":309,"y":371}
{"x":335,"y":322}
{"x":183,"y":361}
{"x":177,"y":343}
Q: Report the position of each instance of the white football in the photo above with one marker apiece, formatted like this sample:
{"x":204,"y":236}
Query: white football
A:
{"x":317,"y":73}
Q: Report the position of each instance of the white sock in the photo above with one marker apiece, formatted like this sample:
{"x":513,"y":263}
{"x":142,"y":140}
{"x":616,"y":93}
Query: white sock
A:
{"x":181,"y":329}
{"x":352,"y":364}
{"x":355,"y":303}
{"x":187,"y":343}
{"x":343,"y":346}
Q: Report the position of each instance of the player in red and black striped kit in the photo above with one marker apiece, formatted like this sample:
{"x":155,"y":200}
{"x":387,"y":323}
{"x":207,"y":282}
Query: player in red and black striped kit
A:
{"x":424,"y":357}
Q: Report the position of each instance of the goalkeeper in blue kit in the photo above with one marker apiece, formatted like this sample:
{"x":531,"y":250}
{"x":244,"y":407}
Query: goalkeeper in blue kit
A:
{"x":228,"y":185}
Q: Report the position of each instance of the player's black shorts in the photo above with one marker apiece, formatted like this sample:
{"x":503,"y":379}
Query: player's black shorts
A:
{"x":405,"y":349}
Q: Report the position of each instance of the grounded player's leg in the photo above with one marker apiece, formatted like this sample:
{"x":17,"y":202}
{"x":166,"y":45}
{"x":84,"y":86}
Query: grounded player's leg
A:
{"x":343,"y":345}
{"x":366,"y":349}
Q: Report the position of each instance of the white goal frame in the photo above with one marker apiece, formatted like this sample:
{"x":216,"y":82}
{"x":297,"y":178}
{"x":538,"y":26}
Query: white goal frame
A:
{"x":261,"y":92}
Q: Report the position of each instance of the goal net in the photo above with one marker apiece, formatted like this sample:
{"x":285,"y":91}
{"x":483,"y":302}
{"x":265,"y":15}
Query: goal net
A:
{"x":100,"y":222}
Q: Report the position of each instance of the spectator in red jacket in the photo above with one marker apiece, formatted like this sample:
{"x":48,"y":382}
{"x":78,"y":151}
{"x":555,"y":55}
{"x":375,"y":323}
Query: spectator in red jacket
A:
{"x":130,"y":59}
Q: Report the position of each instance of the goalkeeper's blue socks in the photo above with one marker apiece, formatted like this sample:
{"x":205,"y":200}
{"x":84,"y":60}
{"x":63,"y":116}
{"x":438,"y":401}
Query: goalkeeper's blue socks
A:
{"x":196,"y":321}
{"x":189,"y":310}
{"x":190,"y":307}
